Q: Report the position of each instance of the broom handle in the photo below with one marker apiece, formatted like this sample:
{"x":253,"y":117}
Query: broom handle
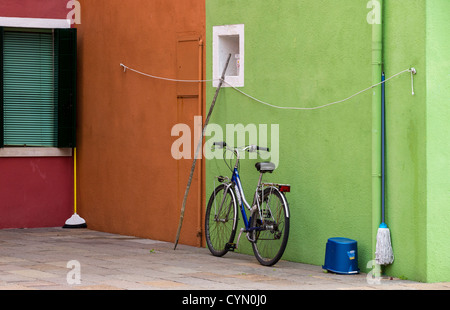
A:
{"x":183,"y":207}
{"x":75,"y":180}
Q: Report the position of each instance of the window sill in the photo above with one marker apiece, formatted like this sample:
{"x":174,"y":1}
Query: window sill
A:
{"x":35,"y":152}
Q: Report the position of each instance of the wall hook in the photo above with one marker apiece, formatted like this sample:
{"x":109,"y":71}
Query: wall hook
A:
{"x":413,"y":72}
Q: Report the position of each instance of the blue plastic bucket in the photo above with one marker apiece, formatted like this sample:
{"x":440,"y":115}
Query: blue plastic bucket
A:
{"x":341,"y":256}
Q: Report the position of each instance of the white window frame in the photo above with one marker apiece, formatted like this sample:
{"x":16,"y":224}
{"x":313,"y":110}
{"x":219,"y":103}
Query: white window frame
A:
{"x":20,"y":22}
{"x":46,"y":23}
{"x":228,"y":30}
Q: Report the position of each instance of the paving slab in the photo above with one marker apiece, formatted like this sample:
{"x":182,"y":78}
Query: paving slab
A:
{"x":84,"y":259}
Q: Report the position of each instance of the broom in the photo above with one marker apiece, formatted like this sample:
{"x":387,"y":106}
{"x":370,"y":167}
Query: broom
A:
{"x":383,"y":253}
{"x":75,"y":221}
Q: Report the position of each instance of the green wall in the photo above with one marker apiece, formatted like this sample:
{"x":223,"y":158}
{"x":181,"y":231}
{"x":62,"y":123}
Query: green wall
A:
{"x":438,"y":145}
{"x":418,"y":192}
{"x":404,"y":46}
{"x":307,"y":53}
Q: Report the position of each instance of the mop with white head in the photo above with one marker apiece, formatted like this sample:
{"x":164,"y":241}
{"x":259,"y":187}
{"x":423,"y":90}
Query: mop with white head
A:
{"x":383,"y":253}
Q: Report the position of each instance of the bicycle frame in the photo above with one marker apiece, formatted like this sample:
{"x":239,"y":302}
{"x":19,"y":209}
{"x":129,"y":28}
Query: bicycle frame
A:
{"x":241,"y":197}
{"x":266,"y":222}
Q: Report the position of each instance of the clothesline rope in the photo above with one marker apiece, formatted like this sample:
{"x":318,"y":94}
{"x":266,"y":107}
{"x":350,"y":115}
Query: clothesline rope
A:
{"x":411,"y":70}
{"x":325,"y":105}
{"x":125,"y":68}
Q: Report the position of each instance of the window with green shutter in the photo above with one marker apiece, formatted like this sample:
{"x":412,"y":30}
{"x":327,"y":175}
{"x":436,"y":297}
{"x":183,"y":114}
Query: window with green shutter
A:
{"x":38,"y":87}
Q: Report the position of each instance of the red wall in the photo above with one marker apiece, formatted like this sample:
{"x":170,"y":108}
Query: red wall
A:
{"x":35,"y":192}
{"x":34,"y":8}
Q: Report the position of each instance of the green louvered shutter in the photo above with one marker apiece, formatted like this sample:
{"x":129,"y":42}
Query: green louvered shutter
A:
{"x":29,"y":107}
{"x":66,"y":60}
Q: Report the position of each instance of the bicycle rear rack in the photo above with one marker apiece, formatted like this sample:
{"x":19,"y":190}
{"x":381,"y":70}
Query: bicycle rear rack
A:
{"x":284,"y":188}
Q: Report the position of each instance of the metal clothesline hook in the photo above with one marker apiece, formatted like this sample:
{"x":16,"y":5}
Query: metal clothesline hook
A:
{"x":413,"y":72}
{"x":124,"y":67}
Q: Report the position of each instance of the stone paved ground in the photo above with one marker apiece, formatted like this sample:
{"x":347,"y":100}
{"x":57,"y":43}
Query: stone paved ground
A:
{"x":50,"y":258}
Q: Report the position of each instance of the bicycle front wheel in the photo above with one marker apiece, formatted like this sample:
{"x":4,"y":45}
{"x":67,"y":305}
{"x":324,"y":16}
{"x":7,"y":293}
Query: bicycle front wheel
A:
{"x":271,"y":227}
{"x":221,"y":219}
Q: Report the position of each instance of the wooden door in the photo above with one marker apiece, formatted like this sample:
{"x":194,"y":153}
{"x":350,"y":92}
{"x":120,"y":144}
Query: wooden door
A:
{"x":190,"y":111}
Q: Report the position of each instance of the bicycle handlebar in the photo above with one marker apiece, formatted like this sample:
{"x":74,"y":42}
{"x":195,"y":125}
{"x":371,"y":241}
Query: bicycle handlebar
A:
{"x":221,"y":144}
{"x":262,"y":148}
{"x":248,"y":148}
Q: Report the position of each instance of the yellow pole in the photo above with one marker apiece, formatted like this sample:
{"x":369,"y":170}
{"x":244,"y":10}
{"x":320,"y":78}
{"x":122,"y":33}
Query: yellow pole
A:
{"x":75,"y":180}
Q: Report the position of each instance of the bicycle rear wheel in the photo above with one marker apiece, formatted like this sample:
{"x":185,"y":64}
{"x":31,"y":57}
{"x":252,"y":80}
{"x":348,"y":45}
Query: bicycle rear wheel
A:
{"x":221,"y":219}
{"x":271,"y":227}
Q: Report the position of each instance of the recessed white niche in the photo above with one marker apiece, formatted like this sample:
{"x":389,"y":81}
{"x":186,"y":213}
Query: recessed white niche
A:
{"x":228,"y":39}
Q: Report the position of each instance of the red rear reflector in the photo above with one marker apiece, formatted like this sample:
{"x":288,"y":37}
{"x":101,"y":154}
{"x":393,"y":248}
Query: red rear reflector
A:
{"x":285,"y":188}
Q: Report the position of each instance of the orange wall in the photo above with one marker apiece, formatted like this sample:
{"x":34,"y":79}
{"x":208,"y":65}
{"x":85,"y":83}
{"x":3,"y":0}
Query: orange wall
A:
{"x":128,"y":182}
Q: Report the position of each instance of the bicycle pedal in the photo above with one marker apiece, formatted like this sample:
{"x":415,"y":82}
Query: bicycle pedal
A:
{"x":230,"y":246}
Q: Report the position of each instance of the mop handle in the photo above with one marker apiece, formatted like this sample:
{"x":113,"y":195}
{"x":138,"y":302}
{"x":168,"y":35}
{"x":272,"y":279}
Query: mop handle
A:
{"x":383,"y":148}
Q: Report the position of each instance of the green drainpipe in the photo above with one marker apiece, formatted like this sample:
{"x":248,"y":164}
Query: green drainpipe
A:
{"x":377,"y":62}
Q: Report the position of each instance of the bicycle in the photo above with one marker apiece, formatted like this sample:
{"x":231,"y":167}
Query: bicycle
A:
{"x":267,"y":228}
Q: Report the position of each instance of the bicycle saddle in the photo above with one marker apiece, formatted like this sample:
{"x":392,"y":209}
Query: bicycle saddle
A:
{"x":265,"y":167}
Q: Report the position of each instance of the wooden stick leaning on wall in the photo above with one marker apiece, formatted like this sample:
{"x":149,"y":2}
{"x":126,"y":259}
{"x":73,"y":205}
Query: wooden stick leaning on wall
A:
{"x":200,"y":141}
